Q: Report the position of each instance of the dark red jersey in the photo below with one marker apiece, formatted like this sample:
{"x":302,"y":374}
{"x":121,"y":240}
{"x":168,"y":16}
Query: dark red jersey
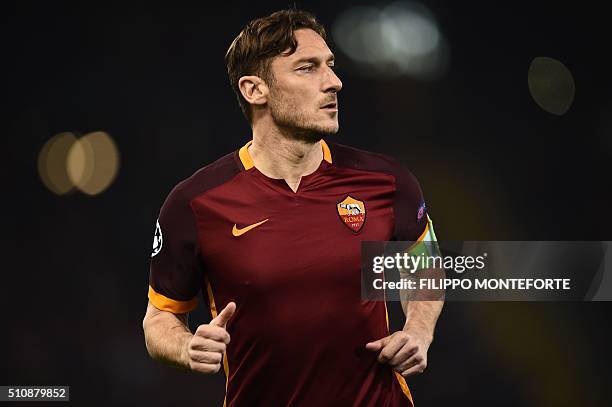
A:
{"x":291,"y":262}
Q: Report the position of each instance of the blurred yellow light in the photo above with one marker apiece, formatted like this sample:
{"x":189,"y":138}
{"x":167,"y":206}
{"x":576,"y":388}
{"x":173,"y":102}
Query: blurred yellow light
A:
{"x":551,"y":85}
{"x":80,"y":162}
{"x":93,"y":162}
{"x":52,"y":163}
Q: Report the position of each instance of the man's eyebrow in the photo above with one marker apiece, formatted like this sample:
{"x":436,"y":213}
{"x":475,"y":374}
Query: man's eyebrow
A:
{"x":315,"y":60}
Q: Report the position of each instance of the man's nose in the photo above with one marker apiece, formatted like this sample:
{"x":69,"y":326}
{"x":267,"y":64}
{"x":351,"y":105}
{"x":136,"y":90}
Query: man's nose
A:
{"x":332,"y":82}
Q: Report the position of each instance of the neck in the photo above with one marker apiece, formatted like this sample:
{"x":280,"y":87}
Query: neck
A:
{"x":281,"y":154}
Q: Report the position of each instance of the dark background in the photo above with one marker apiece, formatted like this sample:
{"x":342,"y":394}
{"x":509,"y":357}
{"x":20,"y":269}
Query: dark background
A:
{"x":493,"y":165}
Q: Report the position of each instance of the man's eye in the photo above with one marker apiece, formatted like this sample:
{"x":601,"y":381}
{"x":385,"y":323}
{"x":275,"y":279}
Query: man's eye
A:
{"x":306,"y":68}
{"x":332,"y":67}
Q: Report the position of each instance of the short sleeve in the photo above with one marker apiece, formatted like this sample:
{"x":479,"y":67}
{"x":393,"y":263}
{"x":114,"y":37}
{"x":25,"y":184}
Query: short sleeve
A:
{"x":175,"y":277}
{"x":412,"y":221}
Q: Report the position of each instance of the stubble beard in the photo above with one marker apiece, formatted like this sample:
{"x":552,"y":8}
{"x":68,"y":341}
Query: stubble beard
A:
{"x":293,"y":121}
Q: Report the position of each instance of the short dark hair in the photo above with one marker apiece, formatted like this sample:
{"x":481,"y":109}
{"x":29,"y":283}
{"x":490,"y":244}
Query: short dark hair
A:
{"x":262,"y":39}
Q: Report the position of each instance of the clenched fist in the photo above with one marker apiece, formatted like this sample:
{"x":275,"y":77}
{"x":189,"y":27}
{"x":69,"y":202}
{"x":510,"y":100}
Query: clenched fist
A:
{"x":206,"y":347}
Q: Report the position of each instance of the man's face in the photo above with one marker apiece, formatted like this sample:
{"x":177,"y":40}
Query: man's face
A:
{"x":303,"y":92}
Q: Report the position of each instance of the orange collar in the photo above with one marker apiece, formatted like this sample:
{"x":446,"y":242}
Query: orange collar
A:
{"x":247,"y":162}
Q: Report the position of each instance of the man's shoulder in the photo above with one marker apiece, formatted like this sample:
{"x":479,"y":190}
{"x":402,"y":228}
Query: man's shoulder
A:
{"x":208,"y":177}
{"x":355,"y":158}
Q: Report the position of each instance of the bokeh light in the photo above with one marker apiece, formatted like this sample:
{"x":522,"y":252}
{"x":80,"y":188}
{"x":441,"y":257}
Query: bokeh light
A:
{"x":52,"y":163}
{"x":401,"y":38}
{"x":80,"y":162}
{"x":551,"y":85}
{"x":93,"y":162}
{"x":89,"y":163}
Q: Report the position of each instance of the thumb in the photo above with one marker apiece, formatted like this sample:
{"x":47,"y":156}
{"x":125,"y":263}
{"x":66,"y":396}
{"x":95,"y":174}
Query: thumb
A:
{"x":376,"y":346}
{"x":225,"y":315}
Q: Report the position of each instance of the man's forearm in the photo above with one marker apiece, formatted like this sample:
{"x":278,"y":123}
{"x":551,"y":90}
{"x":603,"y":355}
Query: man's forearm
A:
{"x":422,"y":307}
{"x":167,"y":337}
{"x":421,"y":316}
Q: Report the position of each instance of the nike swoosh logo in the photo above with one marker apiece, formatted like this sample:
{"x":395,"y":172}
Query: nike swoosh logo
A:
{"x":238,"y":232}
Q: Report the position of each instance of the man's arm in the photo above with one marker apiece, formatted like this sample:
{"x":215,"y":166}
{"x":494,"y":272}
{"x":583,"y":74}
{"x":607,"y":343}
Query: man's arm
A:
{"x":406,"y":350}
{"x":168,"y":339}
{"x":167,"y":336}
{"x":421,"y":318}
{"x":422,"y":307}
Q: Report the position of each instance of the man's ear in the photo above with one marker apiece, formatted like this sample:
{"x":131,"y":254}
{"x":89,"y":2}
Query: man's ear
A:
{"x":253,"y":89}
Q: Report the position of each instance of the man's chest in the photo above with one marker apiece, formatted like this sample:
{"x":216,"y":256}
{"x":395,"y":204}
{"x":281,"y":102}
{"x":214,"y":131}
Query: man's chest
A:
{"x":262,"y":234}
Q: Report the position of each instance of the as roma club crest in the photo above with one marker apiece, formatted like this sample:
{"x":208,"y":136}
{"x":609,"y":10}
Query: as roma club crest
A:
{"x":352,"y":213}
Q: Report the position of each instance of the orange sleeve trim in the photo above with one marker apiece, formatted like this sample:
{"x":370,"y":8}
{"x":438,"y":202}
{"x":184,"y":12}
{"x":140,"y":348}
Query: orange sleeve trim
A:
{"x":164,"y":303}
{"x":420,"y":239}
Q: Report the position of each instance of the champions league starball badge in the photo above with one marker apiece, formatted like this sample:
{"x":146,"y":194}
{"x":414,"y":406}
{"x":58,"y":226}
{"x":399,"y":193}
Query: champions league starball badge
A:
{"x":421,"y":210}
{"x":157,"y":240}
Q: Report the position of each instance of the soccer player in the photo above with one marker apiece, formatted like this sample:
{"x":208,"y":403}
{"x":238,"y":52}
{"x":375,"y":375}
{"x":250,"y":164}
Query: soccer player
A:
{"x":271,"y":235}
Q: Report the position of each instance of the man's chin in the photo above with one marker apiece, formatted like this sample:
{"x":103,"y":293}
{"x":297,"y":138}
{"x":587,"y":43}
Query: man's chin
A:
{"x":328,"y":130}
{"x":311,"y":132}
{"x":314,"y":134}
